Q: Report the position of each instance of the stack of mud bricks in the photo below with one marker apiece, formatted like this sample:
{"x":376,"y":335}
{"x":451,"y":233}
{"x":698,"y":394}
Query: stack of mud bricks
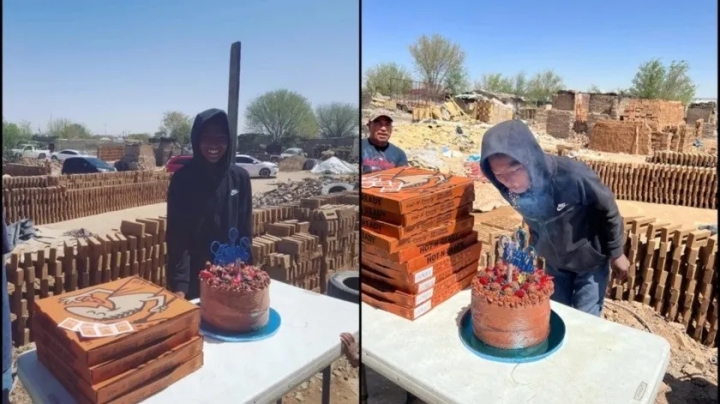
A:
{"x":693,"y":159}
{"x":332,"y":219}
{"x":621,"y":137}
{"x":419,"y":247}
{"x":118,"y":342}
{"x":290,"y":254}
{"x":24,"y":170}
{"x":694,"y":187}
{"x":560,"y":123}
{"x":111,"y":152}
{"x":138,"y":249}
{"x":658,"y":114}
{"x":707,"y":111}
{"x":672,"y":270}
{"x":51,"y":199}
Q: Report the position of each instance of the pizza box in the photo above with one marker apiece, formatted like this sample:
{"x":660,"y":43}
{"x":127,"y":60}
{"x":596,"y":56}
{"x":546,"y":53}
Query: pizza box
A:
{"x":406,"y":189}
{"x":114,"y":388}
{"x":399,"y":232}
{"x":153,"y":312}
{"x":105,"y":370}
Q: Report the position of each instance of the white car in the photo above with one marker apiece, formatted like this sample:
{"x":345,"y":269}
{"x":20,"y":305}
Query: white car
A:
{"x":255,"y":167}
{"x":293,"y":151}
{"x":30,"y":151}
{"x":64,"y":154}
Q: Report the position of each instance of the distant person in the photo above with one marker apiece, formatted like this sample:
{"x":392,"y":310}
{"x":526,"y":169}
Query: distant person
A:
{"x":207,"y":197}
{"x":51,"y":148}
{"x":574,"y":221}
{"x":377,"y":153}
{"x":8,"y":375}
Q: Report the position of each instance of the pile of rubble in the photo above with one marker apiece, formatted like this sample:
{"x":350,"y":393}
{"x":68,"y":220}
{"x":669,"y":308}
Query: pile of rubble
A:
{"x":292,"y":191}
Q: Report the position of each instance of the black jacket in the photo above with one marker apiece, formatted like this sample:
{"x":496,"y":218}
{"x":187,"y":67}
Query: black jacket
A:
{"x":574,"y":221}
{"x":204,"y":202}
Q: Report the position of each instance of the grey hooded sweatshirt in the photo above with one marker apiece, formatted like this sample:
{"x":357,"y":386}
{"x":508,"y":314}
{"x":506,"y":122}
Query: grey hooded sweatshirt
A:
{"x":574,"y":221}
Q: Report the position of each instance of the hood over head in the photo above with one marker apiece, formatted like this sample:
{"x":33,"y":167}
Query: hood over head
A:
{"x":515,"y":139}
{"x":202,"y":119}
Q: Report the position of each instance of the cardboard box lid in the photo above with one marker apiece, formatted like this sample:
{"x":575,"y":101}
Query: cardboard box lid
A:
{"x":404,"y":189}
{"x":142,"y":303}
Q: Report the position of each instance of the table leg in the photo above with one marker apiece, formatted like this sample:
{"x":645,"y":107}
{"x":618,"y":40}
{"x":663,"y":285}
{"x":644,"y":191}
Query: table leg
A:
{"x":363,"y":385}
{"x":326,"y":386}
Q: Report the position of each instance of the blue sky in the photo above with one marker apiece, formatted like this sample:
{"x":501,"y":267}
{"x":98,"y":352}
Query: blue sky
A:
{"x":120,"y":64}
{"x":586,"y":43}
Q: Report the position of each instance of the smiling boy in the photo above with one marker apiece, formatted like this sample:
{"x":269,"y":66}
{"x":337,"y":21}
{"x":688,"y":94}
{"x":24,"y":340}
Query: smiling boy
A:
{"x":207,"y":197}
{"x":574,"y":221}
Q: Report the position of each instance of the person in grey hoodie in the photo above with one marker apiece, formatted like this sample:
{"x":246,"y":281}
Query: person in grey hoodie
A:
{"x":574,"y":221}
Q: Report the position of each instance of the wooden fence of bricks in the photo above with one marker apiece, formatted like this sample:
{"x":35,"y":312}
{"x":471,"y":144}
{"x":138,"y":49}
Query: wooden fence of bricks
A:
{"x":672,"y":270}
{"x":302,"y":251}
{"x":51,"y":199}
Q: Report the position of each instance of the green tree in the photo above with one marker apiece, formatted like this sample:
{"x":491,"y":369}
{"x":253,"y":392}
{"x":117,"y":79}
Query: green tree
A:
{"x":657,"y":81}
{"x":177,"y":125}
{"x":338,"y":119}
{"x":437,"y":58}
{"x":12,"y":135}
{"x":66,"y":129}
{"x":456,"y":81}
{"x":593,"y":89}
{"x":543,"y":85}
{"x":283,"y":115}
{"x":495,"y":83}
{"x":388,"y":79}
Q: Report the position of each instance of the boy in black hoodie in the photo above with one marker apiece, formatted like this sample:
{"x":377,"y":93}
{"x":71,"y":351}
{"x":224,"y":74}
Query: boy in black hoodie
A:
{"x":207,"y":197}
{"x":573,"y":218}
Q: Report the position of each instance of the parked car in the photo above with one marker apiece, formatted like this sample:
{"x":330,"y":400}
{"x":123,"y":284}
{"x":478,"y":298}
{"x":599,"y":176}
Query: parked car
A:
{"x":28,"y":150}
{"x":255,"y":167}
{"x":176,"y":162}
{"x":85,"y":165}
{"x":63,"y":155}
{"x":293,"y":151}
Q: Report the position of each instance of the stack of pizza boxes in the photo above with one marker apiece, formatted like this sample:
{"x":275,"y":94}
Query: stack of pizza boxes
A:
{"x":118,"y":342}
{"x":418,"y":243}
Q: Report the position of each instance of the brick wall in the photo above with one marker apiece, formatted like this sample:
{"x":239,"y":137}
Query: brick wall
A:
{"x":601,"y":103}
{"x":659,"y":114}
{"x":23,"y":170}
{"x":592,"y":119}
{"x":112,"y":152}
{"x":560,"y":123}
{"x":707,"y":111}
{"x":564,"y":101}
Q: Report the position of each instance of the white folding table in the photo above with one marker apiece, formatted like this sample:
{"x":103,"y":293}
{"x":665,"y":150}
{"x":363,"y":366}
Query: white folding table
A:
{"x":600,"y":362}
{"x":307,"y":342}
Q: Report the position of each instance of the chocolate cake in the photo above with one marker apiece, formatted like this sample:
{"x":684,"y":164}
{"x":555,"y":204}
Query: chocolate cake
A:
{"x":514,"y":312}
{"x":234,"y":297}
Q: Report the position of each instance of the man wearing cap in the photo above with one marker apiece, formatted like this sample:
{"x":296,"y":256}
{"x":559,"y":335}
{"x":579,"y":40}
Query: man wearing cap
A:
{"x":376,"y":151}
